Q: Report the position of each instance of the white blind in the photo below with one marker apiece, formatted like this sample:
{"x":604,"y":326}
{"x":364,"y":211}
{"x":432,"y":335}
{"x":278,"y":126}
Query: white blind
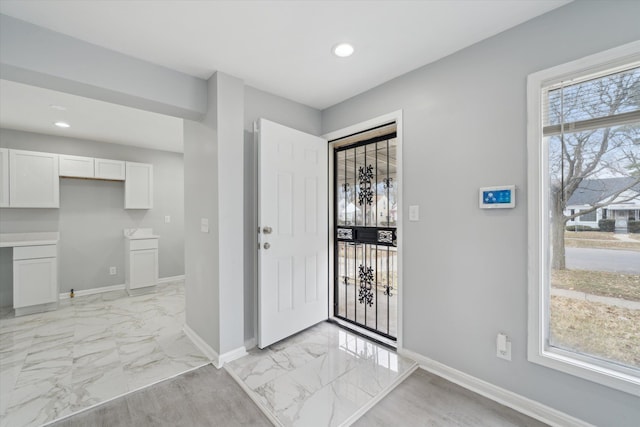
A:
{"x":597,"y":102}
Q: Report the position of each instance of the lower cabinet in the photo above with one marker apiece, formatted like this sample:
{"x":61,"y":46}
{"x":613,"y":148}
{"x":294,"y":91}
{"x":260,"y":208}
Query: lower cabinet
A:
{"x":35,"y":276}
{"x":141,"y":269}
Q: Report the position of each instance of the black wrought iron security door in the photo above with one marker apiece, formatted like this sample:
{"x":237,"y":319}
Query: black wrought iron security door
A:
{"x":365,"y":265}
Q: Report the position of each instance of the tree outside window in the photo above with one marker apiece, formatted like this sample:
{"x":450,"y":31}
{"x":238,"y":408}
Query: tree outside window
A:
{"x":584,"y":149}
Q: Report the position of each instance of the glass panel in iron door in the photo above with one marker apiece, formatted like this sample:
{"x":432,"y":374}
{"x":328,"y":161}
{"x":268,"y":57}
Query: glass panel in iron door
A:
{"x":365,"y":288}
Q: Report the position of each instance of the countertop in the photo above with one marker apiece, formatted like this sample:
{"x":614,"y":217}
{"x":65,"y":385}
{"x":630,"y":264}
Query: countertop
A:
{"x":139,"y":234}
{"x":28,"y":239}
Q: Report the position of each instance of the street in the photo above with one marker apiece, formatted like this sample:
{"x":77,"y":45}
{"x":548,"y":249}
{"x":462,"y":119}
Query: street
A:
{"x":618,"y":261}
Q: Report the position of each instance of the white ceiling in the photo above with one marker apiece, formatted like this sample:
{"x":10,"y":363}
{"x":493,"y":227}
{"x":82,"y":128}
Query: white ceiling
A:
{"x":29,"y":108}
{"x":284,"y":47}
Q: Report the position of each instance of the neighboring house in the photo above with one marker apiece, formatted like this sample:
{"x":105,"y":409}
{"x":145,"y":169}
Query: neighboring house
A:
{"x":623,"y":208}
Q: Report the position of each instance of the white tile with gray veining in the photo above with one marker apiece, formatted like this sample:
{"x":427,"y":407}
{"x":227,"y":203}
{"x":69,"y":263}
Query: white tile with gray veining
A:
{"x":321,"y":376}
{"x":91,"y":349}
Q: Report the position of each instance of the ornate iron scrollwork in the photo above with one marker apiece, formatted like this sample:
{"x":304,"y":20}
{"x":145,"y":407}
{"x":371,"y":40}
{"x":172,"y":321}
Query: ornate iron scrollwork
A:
{"x":365,"y":175}
{"x":365,"y":293}
{"x":345,"y":234}
{"x":387,"y":183}
{"x":388,"y":289}
{"x":385,"y":236}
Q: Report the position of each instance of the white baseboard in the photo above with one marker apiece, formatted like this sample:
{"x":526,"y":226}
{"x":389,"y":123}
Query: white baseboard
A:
{"x":218,"y":360}
{"x":505,"y":397}
{"x":205,"y":348}
{"x":232,"y":355}
{"x":85,"y":292}
{"x":170,"y":279}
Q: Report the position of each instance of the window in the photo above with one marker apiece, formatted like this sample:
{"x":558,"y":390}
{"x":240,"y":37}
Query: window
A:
{"x":589,"y":216}
{"x":584,"y":149}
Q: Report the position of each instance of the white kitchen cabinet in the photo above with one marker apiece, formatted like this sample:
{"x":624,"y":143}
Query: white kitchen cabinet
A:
{"x":33,"y":179}
{"x":109,"y":169}
{"x":35,"y":278}
{"x":141,"y":266}
{"x":4,"y":177}
{"x":138,"y":186}
{"x":76,"y":166}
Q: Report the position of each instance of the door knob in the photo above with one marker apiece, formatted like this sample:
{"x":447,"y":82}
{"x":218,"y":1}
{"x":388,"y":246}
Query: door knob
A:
{"x":267,"y":230}
{"x":266,"y":245}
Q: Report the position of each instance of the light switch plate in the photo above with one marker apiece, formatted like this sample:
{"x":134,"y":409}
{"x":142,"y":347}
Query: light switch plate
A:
{"x":414,"y":213}
{"x":167,"y":219}
{"x":204,"y":225}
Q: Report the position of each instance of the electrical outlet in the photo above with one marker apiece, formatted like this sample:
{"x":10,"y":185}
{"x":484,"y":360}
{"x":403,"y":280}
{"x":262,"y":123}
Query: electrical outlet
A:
{"x":112,"y":270}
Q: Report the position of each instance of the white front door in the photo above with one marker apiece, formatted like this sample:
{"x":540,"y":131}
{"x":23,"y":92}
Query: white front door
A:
{"x":621,"y":218}
{"x":293,"y":231}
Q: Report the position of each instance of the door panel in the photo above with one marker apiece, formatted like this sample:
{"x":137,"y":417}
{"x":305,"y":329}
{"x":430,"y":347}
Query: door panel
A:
{"x":293,"y":220}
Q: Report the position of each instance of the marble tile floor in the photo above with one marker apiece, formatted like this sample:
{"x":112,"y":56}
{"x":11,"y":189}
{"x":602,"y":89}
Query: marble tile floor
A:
{"x":90,"y":350}
{"x":323,"y":376}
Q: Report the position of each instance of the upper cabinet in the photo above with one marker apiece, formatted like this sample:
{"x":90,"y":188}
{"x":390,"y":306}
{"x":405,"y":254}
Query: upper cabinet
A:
{"x":76,"y":166}
{"x":4,"y":177}
{"x":88,"y":167}
{"x":33,"y":179}
{"x":138,"y":186}
{"x":109,"y":169}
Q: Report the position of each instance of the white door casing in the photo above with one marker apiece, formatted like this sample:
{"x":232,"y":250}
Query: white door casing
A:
{"x":293,"y":239}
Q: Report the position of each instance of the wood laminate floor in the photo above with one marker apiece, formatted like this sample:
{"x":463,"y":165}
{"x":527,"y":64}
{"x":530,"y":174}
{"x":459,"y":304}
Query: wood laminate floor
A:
{"x":425,"y":399}
{"x":203,"y":397}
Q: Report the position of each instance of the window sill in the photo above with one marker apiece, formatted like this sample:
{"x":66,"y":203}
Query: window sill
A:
{"x":563,"y":361}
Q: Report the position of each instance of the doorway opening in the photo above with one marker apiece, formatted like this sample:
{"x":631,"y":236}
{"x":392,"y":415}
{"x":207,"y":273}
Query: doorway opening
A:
{"x":365,"y":232}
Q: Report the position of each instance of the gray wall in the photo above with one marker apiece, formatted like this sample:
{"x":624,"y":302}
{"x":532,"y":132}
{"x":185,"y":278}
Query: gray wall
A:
{"x":259,"y":104}
{"x":465,"y":127}
{"x":91,"y":216}
{"x":45,"y":58}
{"x":201,"y":249}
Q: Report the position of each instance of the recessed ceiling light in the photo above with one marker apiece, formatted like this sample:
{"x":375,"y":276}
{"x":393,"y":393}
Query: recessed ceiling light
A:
{"x":57,"y":107}
{"x":343,"y":50}
{"x":62,"y":124}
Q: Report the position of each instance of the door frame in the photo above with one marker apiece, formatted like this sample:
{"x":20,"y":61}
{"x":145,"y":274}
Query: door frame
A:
{"x":341,"y":133}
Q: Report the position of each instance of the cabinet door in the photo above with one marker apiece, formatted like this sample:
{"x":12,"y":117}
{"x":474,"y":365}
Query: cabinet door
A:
{"x":76,"y":166}
{"x":143,"y":268}
{"x":109,"y":169}
{"x":4,"y":177}
{"x":33,"y":180}
{"x":35,"y":281}
{"x":138,"y":186}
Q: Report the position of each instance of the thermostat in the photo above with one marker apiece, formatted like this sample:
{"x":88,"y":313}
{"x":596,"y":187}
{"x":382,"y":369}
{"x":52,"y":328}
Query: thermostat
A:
{"x":498,"y":197}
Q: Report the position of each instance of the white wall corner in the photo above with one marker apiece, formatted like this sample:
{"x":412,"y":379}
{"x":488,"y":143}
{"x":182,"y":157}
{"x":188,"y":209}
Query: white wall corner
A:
{"x":505,"y":397}
{"x":250,"y":343}
{"x":205,"y":348}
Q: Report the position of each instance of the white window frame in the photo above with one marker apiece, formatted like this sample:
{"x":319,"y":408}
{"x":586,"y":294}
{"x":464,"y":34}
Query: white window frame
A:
{"x":539,"y":352}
